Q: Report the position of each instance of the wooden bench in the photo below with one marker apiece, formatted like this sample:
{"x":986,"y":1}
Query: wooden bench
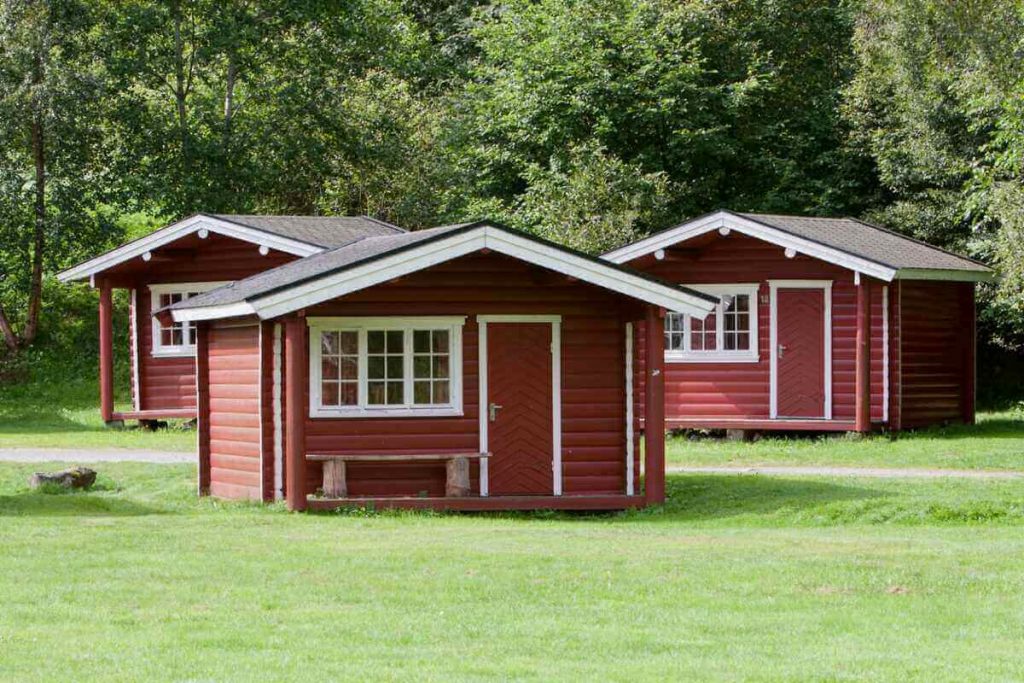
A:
{"x":457,"y":466}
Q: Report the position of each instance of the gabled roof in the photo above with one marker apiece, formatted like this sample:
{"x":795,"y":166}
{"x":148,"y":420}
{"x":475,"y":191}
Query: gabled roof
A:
{"x":298,"y":235}
{"x":374,"y":260}
{"x":846,"y":242}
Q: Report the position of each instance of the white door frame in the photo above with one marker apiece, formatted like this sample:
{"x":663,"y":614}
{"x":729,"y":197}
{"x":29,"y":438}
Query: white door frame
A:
{"x":556,"y":391}
{"x":773,"y":344}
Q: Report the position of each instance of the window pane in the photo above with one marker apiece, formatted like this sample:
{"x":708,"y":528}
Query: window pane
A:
{"x":396,"y":343}
{"x":421,"y":367}
{"x":375,"y":393}
{"x":421,"y":392}
{"x":421,"y":341}
{"x":329,"y":367}
{"x":375,"y":341}
{"x":742,"y":302}
{"x":329,"y":393}
{"x":743,"y":341}
{"x":440,"y":341}
{"x":441,"y":392}
{"x":349,"y":393}
{"x":191,"y":334}
{"x":375,"y":367}
{"x":396,"y":391}
{"x":328,"y":342}
{"x":440,"y":369}
{"x":349,"y":367}
{"x":350,"y":343}
{"x":395,"y":367}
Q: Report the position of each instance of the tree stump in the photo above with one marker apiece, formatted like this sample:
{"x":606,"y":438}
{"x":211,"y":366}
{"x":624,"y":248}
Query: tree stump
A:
{"x":335,"y":485}
{"x":74,"y":478}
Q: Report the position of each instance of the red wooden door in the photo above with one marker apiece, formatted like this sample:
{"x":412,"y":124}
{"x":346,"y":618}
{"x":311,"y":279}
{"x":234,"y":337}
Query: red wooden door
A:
{"x":519,"y":435}
{"x":801,"y":353}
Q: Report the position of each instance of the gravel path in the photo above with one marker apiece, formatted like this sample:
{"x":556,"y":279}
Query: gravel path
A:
{"x":876,"y":472}
{"x":93,"y":455}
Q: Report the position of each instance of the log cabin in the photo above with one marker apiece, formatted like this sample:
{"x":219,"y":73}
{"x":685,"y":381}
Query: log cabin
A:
{"x":183,"y":259}
{"x":467,"y":367}
{"x":822,"y":324}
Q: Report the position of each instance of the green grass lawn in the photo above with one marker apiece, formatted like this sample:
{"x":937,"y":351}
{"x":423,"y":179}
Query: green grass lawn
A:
{"x":996,"y":442}
{"x":737,"y":578}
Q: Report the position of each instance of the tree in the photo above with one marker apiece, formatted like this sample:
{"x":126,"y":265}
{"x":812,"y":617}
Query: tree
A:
{"x":50,"y":87}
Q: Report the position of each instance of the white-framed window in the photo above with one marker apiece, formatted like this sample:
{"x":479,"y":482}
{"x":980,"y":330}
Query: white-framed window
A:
{"x":176,"y":339}
{"x":385,"y":367}
{"x":727,"y":335}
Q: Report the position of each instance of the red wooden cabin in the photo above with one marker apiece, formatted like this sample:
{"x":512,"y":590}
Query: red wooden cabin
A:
{"x":823,"y":324}
{"x":464,"y":367}
{"x":181,"y":260}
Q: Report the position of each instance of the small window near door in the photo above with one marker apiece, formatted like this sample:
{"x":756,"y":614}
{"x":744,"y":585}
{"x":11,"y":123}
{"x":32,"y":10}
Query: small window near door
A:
{"x":363,"y":367}
{"x":177,"y":339}
{"x":728,"y":334}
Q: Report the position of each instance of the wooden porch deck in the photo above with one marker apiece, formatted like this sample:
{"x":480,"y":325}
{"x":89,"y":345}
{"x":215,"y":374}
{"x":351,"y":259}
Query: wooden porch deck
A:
{"x":780,"y":425}
{"x":482,"y":504}
{"x":175,"y":414}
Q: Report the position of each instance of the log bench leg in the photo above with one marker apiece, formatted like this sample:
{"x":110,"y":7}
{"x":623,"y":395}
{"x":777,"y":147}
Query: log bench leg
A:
{"x":457,"y":483}
{"x":334,"y":479}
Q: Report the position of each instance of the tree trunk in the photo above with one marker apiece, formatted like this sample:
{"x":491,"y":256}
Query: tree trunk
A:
{"x":10,"y":339}
{"x":35,"y":292}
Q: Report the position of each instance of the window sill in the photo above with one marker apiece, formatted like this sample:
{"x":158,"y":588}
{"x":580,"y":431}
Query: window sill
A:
{"x":711,"y":358}
{"x":371,"y":413}
{"x":173,"y":353}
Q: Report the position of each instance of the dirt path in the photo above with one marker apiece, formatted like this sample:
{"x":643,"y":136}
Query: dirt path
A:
{"x":826,"y":471}
{"x":83,"y":455}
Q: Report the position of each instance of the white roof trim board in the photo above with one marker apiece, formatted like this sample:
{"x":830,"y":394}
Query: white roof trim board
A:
{"x":436,"y":251}
{"x":184,"y":228}
{"x":751,"y":228}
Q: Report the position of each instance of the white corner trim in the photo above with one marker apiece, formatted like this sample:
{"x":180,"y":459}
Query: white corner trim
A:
{"x":278,"y":417}
{"x":156,"y":349}
{"x":195,"y":224}
{"x":481,"y":354}
{"x":556,"y":392}
{"x":725,"y":219}
{"x":773,"y":335}
{"x":135,"y":356}
{"x":453,"y":324}
{"x":439,"y":251}
{"x":629,"y":409}
{"x":885,"y":354}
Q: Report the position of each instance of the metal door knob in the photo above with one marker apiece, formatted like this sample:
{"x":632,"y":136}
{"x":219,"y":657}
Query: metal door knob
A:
{"x":493,"y":410}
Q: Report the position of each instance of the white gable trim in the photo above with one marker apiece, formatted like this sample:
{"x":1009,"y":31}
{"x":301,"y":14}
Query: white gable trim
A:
{"x":138,"y":248}
{"x":946,"y":275}
{"x":439,"y":251}
{"x":723,"y":220}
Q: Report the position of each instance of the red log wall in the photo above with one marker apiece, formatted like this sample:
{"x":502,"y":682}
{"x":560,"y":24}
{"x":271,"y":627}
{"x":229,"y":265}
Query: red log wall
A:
{"x":234,"y":423}
{"x":741,"y":390}
{"x":593,"y":377}
{"x":936,"y":352}
{"x":168,"y":383}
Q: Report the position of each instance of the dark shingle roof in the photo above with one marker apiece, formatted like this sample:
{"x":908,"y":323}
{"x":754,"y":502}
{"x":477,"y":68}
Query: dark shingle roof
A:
{"x":322,"y":231}
{"x":311,"y":267}
{"x":868,"y":241}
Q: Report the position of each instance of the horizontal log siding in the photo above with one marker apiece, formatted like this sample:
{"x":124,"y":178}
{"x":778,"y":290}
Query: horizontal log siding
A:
{"x":742,"y":390}
{"x":235,"y":433}
{"x":593,"y":381}
{"x":935,"y":351}
{"x":170,"y":383}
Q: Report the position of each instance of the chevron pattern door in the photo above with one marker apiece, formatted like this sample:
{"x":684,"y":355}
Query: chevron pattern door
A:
{"x":801,"y":353}
{"x":519,"y":388}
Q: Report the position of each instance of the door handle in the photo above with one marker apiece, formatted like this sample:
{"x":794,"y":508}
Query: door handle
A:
{"x":782,"y":350}
{"x":493,"y":410}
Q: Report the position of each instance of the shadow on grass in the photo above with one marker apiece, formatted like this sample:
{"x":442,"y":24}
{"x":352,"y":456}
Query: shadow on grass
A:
{"x":997,"y":428}
{"x":26,"y":422}
{"x":77,"y":504}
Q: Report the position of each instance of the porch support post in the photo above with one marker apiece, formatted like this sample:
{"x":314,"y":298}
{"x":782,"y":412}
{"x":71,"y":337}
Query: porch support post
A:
{"x":106,"y":352}
{"x":862,"y":415}
{"x":654,"y":408}
{"x":203,"y":405}
{"x":296,"y":362}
